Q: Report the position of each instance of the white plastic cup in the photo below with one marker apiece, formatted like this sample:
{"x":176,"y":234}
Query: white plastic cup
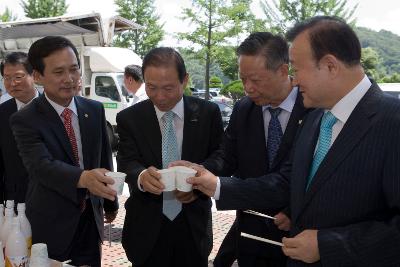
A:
{"x":168,"y":179}
{"x":39,"y":256}
{"x":119,"y":180}
{"x":182,"y":173}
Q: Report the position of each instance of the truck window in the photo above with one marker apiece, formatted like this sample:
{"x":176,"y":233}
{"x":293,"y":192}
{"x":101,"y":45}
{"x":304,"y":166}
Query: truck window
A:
{"x":105,"y":87}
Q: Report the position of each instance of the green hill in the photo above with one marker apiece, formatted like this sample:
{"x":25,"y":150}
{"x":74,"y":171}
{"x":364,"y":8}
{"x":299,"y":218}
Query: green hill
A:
{"x":386,"y":43}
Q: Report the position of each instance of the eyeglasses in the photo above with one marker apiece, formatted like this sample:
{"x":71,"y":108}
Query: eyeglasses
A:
{"x":17,"y":79}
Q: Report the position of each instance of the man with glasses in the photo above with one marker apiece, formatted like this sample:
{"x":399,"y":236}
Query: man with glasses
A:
{"x":18,"y":81}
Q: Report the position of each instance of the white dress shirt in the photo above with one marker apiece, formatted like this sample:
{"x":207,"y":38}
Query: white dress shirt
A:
{"x":287,"y":108}
{"x":178,"y":124}
{"x":22,"y":104}
{"x":75,"y":124}
{"x":140,"y":95}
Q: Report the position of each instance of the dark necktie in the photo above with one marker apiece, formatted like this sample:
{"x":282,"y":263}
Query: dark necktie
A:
{"x":274,"y":134}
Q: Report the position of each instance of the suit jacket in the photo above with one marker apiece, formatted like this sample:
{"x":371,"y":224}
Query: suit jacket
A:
{"x":354,"y":197}
{"x":243,"y":153}
{"x":140,"y":148}
{"x":52,"y":202}
{"x":12,"y":171}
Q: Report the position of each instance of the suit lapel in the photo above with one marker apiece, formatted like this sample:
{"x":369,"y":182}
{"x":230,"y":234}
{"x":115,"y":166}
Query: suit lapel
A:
{"x":304,"y":152}
{"x":190,"y":129}
{"x":85,"y":118}
{"x":151,"y":128}
{"x":352,"y":133}
{"x":55,"y":125}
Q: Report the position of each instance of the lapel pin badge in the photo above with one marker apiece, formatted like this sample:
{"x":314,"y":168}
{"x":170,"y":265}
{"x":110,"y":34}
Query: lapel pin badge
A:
{"x":300,"y":121}
{"x":193,"y":120}
{"x":86,"y":115}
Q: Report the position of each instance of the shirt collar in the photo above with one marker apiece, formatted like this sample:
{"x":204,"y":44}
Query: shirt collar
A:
{"x":343,"y":109}
{"x":60,"y":109}
{"x":21,"y":104}
{"x":177,"y":110}
{"x":288,"y":103}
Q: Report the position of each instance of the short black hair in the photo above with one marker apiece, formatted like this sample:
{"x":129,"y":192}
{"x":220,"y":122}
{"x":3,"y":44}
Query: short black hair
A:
{"x":163,"y":57}
{"x":45,"y":47}
{"x":135,"y":72}
{"x":273,"y":48}
{"x":16,"y":58}
{"x":330,"y":35}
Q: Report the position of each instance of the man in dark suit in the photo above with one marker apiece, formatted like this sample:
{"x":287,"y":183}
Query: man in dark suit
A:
{"x":343,"y":180}
{"x":164,"y":229}
{"x":18,"y":81}
{"x":63,"y":143}
{"x":251,"y":148}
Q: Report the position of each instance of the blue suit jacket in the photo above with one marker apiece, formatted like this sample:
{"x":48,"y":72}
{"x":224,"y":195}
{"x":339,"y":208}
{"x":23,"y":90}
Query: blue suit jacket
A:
{"x":354,"y":198}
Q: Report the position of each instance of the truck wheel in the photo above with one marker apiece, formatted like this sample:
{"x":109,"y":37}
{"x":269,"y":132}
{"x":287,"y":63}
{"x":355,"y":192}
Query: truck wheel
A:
{"x":112,"y":138}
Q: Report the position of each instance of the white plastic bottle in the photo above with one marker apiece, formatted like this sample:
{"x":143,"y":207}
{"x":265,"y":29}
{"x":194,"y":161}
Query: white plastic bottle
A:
{"x":25,"y":226}
{"x":2,"y":263}
{"x":7,"y":225}
{"x":16,"y":250}
{"x":10,"y":205}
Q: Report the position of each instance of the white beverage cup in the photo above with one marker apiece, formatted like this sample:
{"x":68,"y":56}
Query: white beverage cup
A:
{"x":182,"y":173}
{"x":119,"y":180}
{"x":168,"y":179}
{"x":39,"y":255}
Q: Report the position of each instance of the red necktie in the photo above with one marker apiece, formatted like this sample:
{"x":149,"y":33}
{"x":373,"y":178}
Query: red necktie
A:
{"x":66,"y":114}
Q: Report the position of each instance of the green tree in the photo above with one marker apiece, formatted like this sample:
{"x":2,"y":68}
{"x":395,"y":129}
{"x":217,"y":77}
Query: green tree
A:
{"x":214,"y":22}
{"x":143,"y":13}
{"x":370,"y":61}
{"x":7,"y":15}
{"x":215,"y":82}
{"x":283,"y":14}
{"x":44,"y":8}
{"x":233,"y":90}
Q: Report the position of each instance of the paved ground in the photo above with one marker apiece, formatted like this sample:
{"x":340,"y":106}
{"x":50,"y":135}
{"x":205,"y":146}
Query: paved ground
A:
{"x":115,"y":255}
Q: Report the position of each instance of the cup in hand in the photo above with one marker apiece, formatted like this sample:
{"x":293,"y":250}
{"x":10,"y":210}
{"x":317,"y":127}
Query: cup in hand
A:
{"x":182,"y":173}
{"x":168,"y":179}
{"x":119,"y":180}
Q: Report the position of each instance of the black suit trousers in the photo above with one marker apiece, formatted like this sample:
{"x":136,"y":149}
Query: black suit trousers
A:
{"x":175,"y":246}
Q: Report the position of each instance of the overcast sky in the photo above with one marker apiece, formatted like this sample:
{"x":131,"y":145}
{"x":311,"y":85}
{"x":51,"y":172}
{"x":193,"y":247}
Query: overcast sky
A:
{"x":374,"y":14}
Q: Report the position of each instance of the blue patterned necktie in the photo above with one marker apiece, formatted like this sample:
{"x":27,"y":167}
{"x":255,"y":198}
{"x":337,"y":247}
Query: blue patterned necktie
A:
{"x":324,"y":143}
{"x":170,"y":153}
{"x":274,"y":134}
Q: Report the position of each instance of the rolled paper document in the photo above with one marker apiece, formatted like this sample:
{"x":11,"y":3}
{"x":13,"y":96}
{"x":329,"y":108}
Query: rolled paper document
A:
{"x":259,"y":214}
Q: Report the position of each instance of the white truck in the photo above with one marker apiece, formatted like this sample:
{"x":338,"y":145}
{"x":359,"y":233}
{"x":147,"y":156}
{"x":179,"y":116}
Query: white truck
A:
{"x":102,"y":66}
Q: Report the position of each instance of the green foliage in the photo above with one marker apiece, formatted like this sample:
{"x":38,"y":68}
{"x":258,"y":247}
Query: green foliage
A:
{"x":370,"y":61}
{"x":226,"y":58}
{"x":215,"y":22}
{"x":386,"y":44}
{"x":283,"y":14}
{"x":215,"y":82}
{"x":394,"y":78}
{"x":187,"y":90}
{"x":143,"y":13}
{"x":44,"y":8}
{"x":7,"y":15}
{"x":233,"y":90}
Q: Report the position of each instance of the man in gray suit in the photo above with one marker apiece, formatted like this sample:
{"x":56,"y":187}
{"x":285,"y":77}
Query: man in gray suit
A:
{"x":343,"y":182}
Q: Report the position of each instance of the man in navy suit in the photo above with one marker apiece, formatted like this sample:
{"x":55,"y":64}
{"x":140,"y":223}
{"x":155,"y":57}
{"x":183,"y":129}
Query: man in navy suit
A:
{"x":343,"y":182}
{"x":18,"y":81}
{"x":62,"y":140}
{"x":250,"y":147}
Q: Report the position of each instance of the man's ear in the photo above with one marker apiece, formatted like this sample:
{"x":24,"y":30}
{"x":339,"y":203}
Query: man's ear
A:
{"x":331,"y":64}
{"x":37,"y":77}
